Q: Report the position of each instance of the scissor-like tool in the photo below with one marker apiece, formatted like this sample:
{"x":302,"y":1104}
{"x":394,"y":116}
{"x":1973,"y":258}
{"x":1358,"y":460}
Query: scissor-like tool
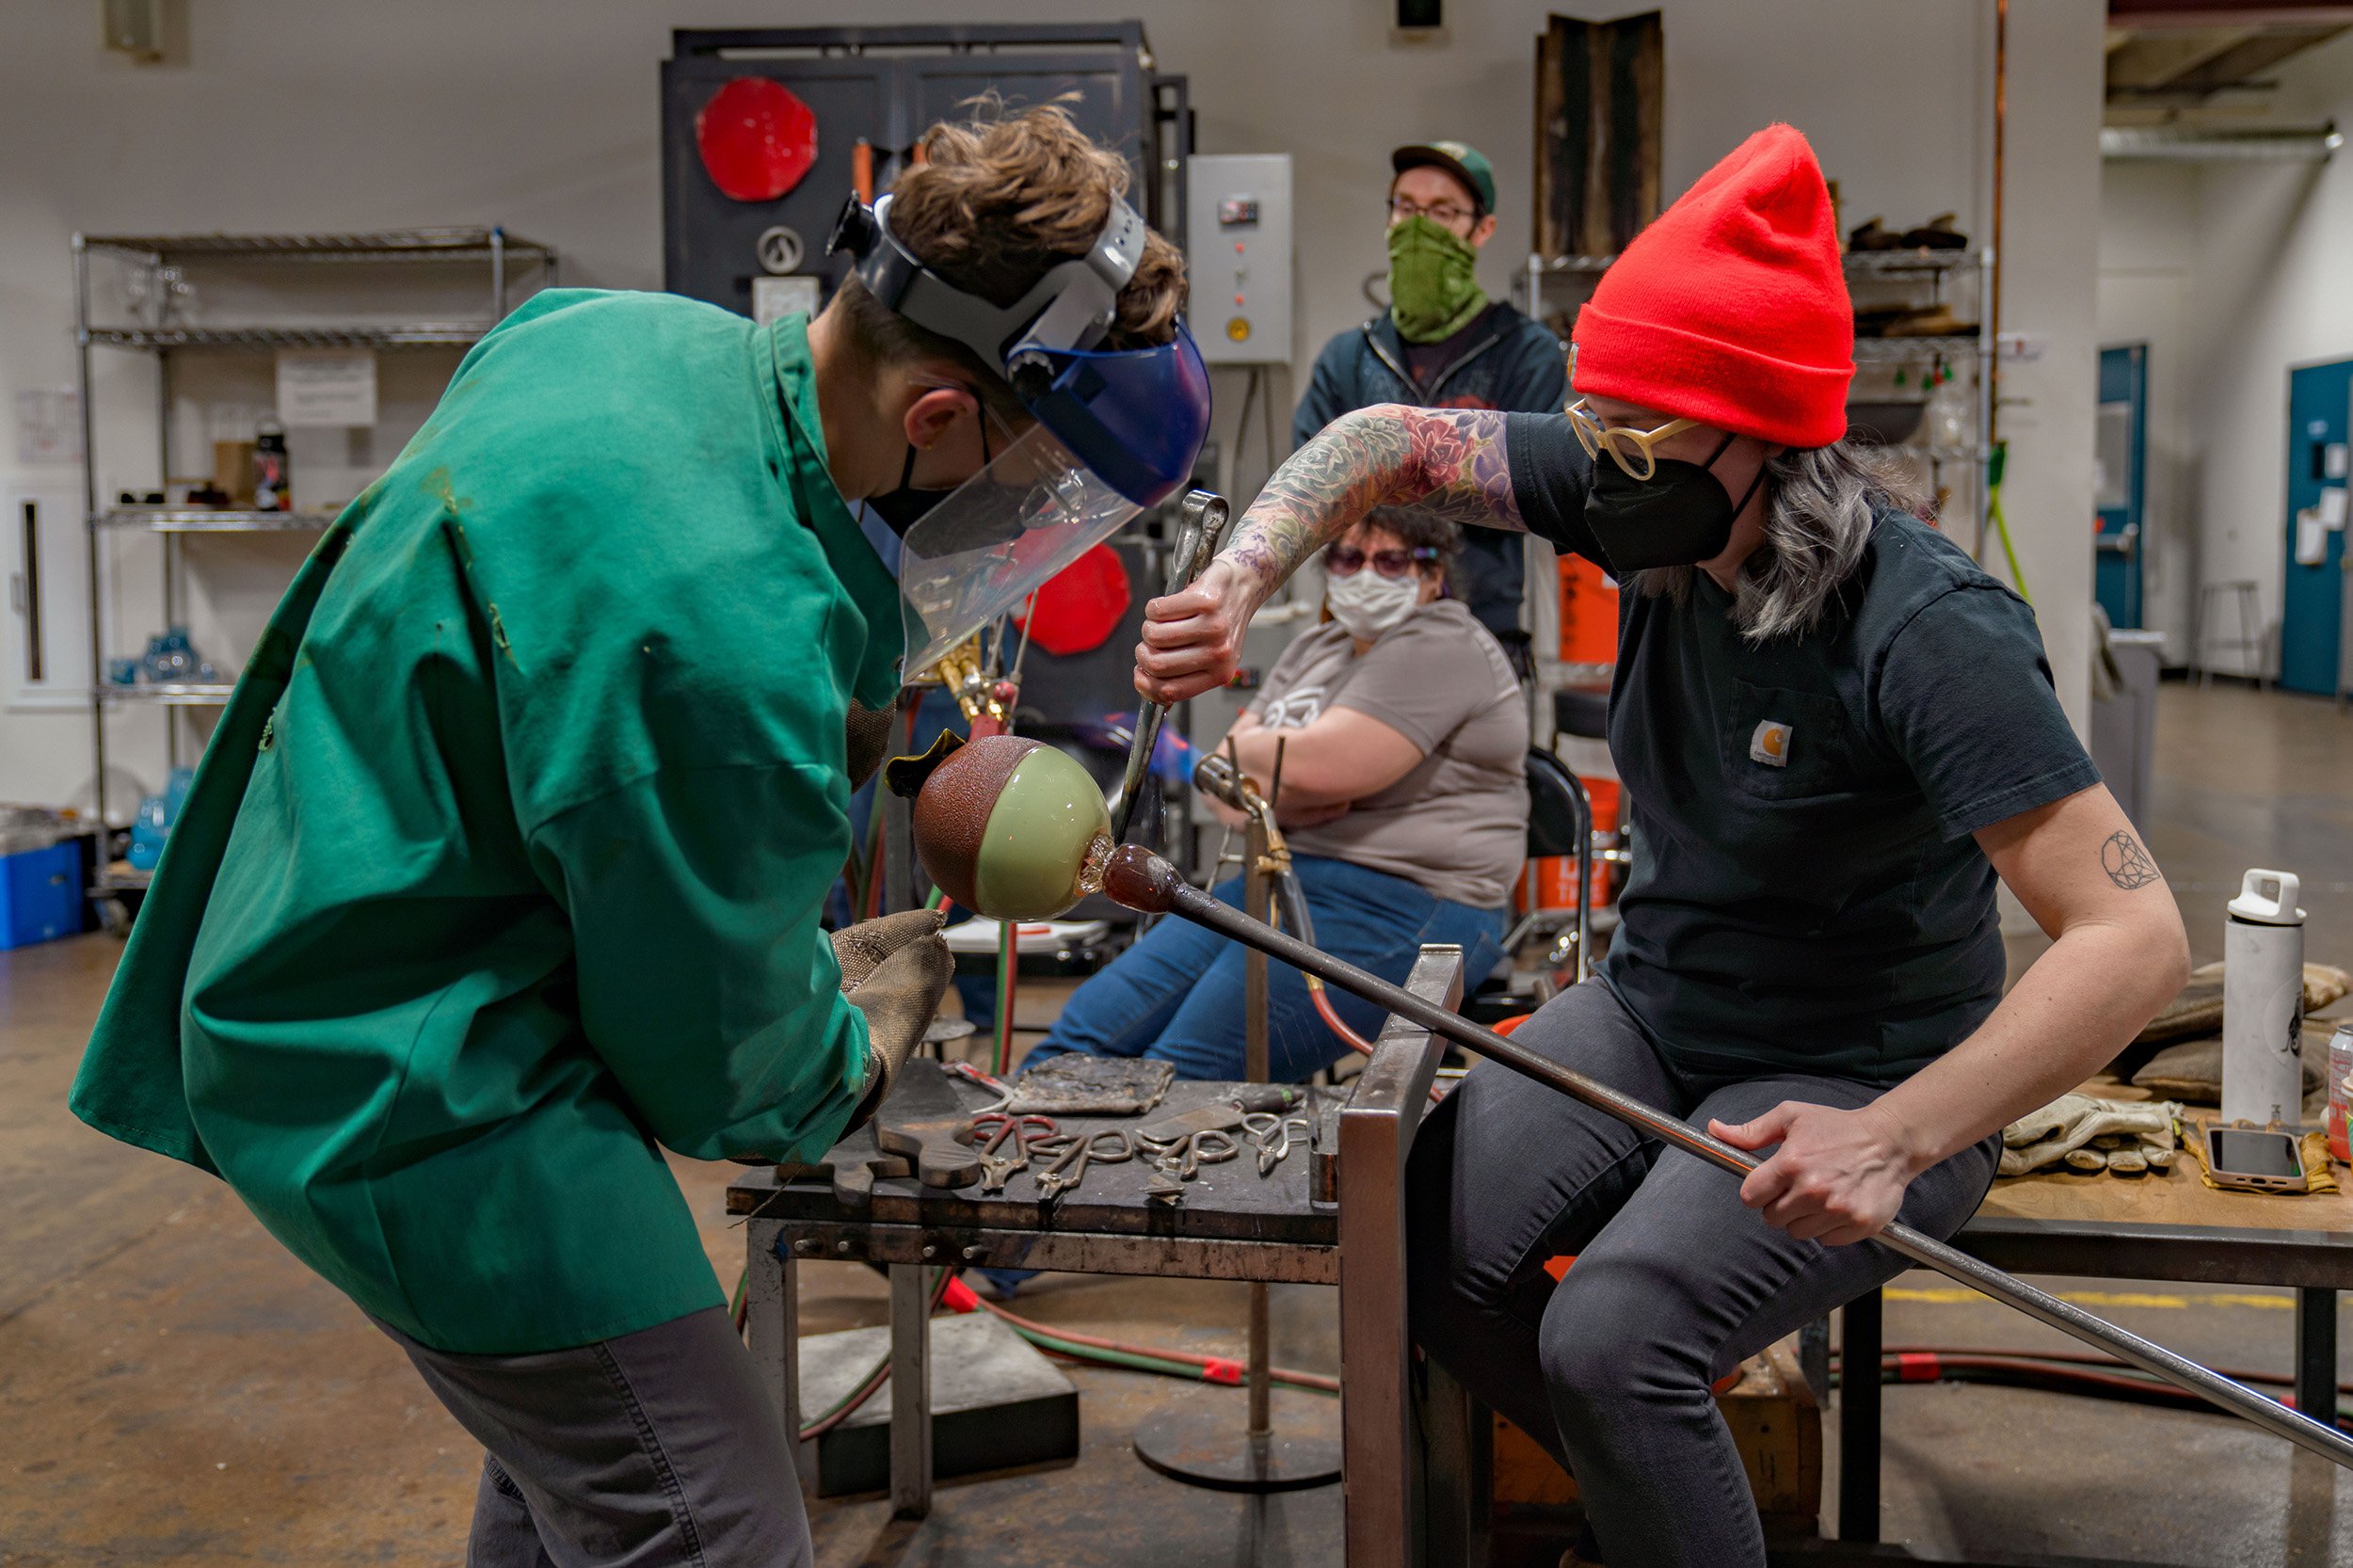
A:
{"x":1175,"y":1163}
{"x":1271,"y":1135}
{"x":1110,"y":1147}
{"x":994,"y":1132}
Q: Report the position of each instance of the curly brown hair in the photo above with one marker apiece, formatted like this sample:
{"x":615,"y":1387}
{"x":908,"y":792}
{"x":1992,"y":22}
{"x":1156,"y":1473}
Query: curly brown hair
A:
{"x":993,"y":203}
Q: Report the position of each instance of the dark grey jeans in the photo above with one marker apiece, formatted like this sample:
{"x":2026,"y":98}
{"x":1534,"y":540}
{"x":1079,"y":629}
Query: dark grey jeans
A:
{"x":1676,"y":1279}
{"x":653,"y":1450}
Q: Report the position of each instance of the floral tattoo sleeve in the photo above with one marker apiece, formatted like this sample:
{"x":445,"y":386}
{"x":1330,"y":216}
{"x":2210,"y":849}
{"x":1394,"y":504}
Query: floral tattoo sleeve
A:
{"x":1449,"y":461}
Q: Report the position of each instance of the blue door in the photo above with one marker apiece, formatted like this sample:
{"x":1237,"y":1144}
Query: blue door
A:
{"x":2122,"y":439}
{"x":2313,"y":602}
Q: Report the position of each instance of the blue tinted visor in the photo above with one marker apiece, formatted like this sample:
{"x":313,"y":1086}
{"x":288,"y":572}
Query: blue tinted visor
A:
{"x":1136,"y":417}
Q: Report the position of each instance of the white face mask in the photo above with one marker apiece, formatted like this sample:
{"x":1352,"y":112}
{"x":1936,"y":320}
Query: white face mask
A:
{"x":1367,"y":604}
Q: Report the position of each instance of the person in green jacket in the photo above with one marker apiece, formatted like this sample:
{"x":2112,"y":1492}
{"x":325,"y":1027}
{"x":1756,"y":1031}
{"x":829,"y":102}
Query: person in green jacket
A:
{"x":504,"y":870}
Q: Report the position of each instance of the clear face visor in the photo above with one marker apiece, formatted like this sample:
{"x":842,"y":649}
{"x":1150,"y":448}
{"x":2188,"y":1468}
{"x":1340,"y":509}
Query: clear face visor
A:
{"x":996,"y":539}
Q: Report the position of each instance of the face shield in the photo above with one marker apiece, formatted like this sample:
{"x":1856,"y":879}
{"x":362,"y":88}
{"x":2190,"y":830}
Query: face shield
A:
{"x":1116,"y":430}
{"x":1112,"y":437}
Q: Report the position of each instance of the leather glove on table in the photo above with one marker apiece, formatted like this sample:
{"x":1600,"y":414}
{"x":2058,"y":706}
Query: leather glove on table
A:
{"x":894,"y":970}
{"x":2087,"y":1134}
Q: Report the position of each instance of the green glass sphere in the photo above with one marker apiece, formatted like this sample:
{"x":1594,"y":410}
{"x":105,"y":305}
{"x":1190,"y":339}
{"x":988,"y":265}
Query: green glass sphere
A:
{"x":1011,"y":828}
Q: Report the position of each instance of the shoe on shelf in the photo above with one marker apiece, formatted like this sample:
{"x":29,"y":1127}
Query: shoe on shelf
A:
{"x":1932,"y":321}
{"x":1871,"y":234}
{"x":1936,"y":233}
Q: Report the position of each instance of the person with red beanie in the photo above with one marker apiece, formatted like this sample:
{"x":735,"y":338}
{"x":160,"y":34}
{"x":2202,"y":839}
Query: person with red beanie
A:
{"x":1835,"y":734}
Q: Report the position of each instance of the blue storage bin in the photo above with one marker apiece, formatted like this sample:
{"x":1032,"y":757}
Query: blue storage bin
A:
{"x":40,"y":894}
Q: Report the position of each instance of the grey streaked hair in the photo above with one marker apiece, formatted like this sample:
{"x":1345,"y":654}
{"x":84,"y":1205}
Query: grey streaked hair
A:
{"x":1819,"y":501}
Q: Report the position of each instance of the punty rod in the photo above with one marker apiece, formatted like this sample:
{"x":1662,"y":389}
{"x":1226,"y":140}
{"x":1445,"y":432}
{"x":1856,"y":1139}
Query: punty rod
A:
{"x":1142,"y":880}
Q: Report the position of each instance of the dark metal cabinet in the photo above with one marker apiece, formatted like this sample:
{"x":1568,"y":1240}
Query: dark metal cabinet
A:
{"x":886,"y":86}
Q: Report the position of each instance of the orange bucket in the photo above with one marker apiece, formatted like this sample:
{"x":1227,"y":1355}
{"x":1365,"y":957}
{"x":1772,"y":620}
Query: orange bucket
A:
{"x":1549,"y":882}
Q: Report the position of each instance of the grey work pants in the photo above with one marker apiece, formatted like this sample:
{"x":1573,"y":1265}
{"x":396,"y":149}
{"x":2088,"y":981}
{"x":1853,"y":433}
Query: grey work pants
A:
{"x":1676,"y":1280}
{"x":653,"y":1450}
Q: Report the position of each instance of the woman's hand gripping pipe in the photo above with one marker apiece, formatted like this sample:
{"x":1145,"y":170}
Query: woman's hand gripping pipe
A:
{"x":1200,"y":529}
{"x":1142,"y":880}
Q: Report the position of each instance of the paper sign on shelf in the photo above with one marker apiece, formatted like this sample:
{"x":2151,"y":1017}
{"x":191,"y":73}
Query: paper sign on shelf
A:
{"x":49,"y":426}
{"x":774,"y":297}
{"x":2332,"y":508}
{"x":2312,"y":537}
{"x":326,"y":387}
{"x":2024,"y":347}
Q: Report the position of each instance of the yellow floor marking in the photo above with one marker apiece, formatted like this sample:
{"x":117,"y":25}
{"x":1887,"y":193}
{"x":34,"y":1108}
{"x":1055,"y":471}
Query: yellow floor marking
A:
{"x":1955,"y":1295}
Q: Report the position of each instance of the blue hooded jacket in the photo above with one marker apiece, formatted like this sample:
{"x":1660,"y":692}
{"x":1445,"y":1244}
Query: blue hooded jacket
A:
{"x":1513,"y":365}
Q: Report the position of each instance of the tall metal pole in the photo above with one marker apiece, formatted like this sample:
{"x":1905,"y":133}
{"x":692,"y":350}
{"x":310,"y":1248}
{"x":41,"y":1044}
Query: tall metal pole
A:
{"x":1195,"y":1444}
{"x":2001,"y":126}
{"x":89,"y":534}
{"x":1142,"y":880}
{"x":159,"y":291}
{"x":1256,"y":898}
{"x":1989,"y":365}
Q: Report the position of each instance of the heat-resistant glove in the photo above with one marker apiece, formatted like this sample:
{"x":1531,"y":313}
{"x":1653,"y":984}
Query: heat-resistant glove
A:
{"x":2087,"y":1134}
{"x":894,"y":970}
{"x":867,"y":735}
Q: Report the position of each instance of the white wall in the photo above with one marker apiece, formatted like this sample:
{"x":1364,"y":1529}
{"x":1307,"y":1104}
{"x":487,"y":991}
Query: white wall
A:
{"x":2271,"y":291}
{"x":2051,"y":231}
{"x":2233,"y":274}
{"x":2148,"y":265}
{"x":542,"y":117}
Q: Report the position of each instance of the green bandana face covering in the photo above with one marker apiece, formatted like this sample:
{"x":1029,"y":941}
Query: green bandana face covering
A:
{"x":1432,"y":293}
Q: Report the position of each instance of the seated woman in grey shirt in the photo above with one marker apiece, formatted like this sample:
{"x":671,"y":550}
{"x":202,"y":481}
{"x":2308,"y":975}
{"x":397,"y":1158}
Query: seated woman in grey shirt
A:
{"x":1405,"y":737}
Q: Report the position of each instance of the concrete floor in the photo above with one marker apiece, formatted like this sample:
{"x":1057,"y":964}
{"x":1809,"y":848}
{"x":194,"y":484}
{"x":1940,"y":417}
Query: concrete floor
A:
{"x":174,"y":1388}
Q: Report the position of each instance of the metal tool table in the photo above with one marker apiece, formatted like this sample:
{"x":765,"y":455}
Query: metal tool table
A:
{"x":2168,"y":1227}
{"x":1231,"y":1225}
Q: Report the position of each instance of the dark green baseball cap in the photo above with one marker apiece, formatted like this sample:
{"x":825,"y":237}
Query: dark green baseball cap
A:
{"x":1459,"y":158}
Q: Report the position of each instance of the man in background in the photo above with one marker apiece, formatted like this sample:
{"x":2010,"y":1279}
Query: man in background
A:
{"x":1443,"y":344}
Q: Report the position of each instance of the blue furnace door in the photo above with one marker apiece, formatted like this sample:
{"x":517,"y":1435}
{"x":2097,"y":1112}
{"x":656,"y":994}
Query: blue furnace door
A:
{"x":2122,"y":438}
{"x":2312,"y":604}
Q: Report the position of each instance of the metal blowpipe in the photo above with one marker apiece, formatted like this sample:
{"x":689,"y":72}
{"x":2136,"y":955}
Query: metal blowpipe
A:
{"x":1142,"y":880}
{"x":1200,"y":529}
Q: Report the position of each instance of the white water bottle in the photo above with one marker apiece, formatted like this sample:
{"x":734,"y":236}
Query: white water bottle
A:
{"x":2263,"y":1002}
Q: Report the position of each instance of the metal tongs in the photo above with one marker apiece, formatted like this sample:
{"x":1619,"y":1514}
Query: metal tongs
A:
{"x":1200,"y":529}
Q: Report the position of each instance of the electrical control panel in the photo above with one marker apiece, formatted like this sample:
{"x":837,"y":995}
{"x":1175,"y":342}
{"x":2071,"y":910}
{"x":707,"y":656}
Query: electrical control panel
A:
{"x":1238,"y":252}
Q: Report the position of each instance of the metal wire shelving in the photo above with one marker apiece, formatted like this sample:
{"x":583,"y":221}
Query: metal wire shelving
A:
{"x":513,"y":264}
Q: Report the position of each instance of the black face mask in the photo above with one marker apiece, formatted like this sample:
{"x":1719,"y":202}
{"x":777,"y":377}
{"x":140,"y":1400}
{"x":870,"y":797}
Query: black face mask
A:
{"x":903,"y":507}
{"x":1678,"y":516}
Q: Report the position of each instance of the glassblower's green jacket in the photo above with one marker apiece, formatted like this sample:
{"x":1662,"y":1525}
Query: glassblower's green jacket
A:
{"x":506,"y":862}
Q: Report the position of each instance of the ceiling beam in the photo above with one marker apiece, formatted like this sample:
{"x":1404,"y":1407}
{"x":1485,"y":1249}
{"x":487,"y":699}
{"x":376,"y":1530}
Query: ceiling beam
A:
{"x":2154,"y":60}
{"x":2243,"y":60}
{"x":2191,"y":66}
{"x":2149,"y":14}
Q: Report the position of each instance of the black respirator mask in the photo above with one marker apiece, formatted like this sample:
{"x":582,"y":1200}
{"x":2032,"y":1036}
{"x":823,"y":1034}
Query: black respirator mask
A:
{"x":1678,"y":516}
{"x":902,"y":507}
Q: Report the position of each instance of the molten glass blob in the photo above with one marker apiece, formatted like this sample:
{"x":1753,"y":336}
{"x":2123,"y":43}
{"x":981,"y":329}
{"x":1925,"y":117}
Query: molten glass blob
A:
{"x":1013,"y":828}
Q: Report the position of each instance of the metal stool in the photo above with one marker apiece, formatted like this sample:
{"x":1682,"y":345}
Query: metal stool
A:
{"x":2249,"y":641}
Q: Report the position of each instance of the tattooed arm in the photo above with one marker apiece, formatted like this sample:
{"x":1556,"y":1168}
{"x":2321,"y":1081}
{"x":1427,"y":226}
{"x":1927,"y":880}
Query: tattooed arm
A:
{"x":2117,"y":954}
{"x":1450,"y":461}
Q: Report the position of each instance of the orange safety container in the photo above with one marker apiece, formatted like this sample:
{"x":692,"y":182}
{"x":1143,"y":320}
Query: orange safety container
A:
{"x":1588,"y":612}
{"x":1549,"y":882}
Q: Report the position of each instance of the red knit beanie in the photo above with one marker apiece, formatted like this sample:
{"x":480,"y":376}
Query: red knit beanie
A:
{"x":1731,"y":307}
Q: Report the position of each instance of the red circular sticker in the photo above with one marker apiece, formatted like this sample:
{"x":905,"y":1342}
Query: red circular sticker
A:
{"x":1079,"y":606}
{"x":757,"y":138}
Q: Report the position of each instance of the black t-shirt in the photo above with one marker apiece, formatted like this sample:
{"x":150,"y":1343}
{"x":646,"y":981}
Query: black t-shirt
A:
{"x":1805,"y":892}
{"x":1429,"y":360}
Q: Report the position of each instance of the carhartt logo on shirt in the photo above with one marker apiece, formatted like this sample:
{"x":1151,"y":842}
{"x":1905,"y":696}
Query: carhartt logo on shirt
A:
{"x":1771,"y":745}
